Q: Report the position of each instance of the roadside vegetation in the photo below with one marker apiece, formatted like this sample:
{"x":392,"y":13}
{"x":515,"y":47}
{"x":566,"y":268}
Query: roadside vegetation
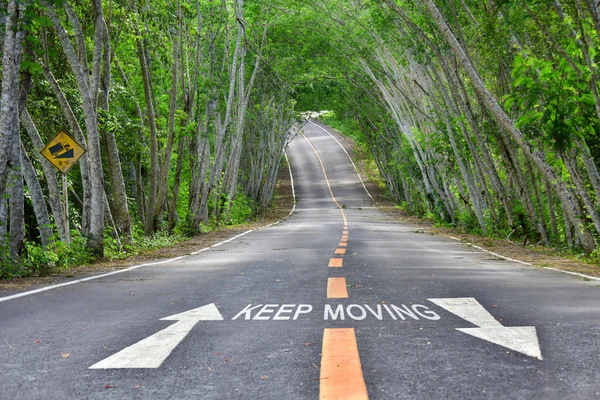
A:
{"x":481,"y":116}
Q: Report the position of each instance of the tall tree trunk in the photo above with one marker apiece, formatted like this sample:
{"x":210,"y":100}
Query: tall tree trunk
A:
{"x":16,"y":204}
{"x":37,"y":199}
{"x":172,"y":220}
{"x":166,"y":165}
{"x":9,"y":113}
{"x":121,"y":215}
{"x":151,"y":202}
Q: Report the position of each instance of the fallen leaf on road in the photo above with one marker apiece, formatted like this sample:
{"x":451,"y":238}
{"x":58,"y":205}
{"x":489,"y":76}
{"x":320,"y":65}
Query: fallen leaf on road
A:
{"x":110,"y":387}
{"x":308,"y":344}
{"x":66,"y":355}
{"x":37,"y":341}
{"x":136,"y":387}
{"x":264,"y":377}
{"x":383,"y":302}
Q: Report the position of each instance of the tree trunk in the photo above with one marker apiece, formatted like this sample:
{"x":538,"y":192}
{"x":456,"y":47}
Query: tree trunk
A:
{"x":37,"y":199}
{"x":16,"y":205}
{"x":119,"y":195}
{"x":9,"y":113}
{"x":151,"y":202}
{"x":166,"y":166}
{"x":172,"y":221}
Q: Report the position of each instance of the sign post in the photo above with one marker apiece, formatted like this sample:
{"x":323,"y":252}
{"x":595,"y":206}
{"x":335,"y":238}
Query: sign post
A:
{"x":63,"y":152}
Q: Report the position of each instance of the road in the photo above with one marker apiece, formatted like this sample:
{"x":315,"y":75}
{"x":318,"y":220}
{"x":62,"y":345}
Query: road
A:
{"x":337,"y":301}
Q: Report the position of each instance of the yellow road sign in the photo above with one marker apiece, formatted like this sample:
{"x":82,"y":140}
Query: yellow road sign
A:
{"x":63,"y":151}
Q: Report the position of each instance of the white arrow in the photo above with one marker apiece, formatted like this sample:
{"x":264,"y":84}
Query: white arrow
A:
{"x":522,"y":339}
{"x":152,"y":351}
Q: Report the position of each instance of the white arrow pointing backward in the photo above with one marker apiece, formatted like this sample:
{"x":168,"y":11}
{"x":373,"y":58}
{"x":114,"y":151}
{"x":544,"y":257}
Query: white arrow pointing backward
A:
{"x":152,"y":351}
{"x":522,"y":339}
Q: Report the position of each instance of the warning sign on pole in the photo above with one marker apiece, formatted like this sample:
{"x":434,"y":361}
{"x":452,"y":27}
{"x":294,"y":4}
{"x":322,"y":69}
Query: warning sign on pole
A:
{"x":63,"y":151}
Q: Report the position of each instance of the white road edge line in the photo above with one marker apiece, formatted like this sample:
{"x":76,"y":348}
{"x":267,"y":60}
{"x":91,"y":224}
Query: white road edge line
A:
{"x":89,"y":278}
{"x":350,"y":158}
{"x":525,"y":263}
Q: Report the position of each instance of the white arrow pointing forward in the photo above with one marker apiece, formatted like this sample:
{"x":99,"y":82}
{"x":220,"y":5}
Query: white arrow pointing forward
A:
{"x":154,"y":350}
{"x":522,"y":339}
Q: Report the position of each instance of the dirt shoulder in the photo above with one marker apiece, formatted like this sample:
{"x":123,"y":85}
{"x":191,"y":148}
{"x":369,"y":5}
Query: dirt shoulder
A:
{"x":281,"y":208}
{"x":538,"y":256}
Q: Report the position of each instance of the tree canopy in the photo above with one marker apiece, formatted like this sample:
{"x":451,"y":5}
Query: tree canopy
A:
{"x":480,"y":115}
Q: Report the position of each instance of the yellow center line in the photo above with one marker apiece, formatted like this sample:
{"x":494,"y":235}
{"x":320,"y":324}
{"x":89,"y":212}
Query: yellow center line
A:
{"x":341,"y":372}
{"x":336,"y":262}
{"x":343,"y":244}
{"x":327,"y":181}
{"x":340,"y":251}
{"x":336,"y":288}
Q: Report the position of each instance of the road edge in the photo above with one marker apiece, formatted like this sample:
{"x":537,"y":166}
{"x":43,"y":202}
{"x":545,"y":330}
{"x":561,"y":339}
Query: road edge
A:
{"x":584,"y":276}
{"x":148,"y":264}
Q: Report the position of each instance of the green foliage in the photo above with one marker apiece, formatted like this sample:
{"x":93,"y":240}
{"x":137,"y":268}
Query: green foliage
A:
{"x":241,"y":210}
{"x":141,"y":243}
{"x":39,"y":261}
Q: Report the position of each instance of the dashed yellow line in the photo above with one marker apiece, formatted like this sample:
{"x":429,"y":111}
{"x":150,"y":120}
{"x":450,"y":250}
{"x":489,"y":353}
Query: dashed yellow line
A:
{"x":341,"y":372}
{"x":336,"y":262}
{"x":336,"y":288}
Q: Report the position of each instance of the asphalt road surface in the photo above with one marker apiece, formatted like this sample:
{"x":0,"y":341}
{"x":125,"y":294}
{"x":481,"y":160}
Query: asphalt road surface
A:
{"x":338,"y":301}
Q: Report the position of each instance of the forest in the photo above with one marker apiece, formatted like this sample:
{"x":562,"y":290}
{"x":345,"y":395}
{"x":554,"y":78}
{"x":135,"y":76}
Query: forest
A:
{"x":479,"y":115}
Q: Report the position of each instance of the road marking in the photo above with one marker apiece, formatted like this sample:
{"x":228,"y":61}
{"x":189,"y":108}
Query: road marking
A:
{"x":336,"y":288}
{"x":341,"y":372}
{"x":522,"y":339}
{"x":594,"y":278}
{"x":468,"y":309}
{"x":336,"y":262}
{"x":327,"y":181}
{"x":154,"y":350}
{"x":350,"y":158}
{"x":344,"y":237}
{"x":360,"y":312}
{"x":343,"y":244}
{"x":340,"y":251}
